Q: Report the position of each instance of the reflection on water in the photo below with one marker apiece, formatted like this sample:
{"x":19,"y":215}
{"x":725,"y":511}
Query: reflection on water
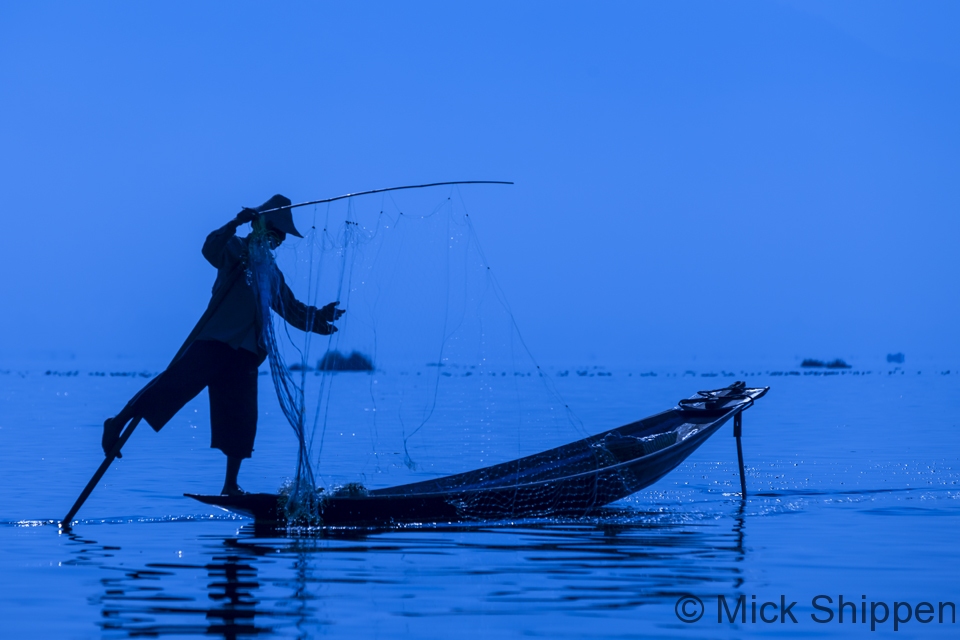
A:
{"x":854,"y":489}
{"x":141,"y":602}
{"x":250,"y":584}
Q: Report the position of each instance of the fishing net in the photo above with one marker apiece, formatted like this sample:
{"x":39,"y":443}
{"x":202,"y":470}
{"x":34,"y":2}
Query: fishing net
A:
{"x":268,"y":284}
{"x":453,"y":385}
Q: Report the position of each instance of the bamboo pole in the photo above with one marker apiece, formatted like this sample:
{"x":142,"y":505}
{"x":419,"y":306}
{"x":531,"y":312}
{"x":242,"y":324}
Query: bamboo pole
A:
{"x":365,"y":193}
{"x":65,"y":523}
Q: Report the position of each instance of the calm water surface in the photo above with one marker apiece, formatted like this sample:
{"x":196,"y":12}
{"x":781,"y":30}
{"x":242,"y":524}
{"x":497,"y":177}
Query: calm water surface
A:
{"x":854,"y":482}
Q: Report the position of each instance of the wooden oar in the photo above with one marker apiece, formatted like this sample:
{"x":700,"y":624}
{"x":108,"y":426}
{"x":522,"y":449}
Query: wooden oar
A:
{"x":65,"y":523}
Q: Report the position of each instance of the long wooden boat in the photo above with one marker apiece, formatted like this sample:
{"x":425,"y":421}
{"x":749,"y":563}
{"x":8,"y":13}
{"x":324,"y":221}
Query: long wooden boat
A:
{"x":568,"y":481}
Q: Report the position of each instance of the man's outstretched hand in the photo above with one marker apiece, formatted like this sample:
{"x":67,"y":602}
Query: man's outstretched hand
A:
{"x":330,"y":313}
{"x":323,"y":328}
{"x":324,"y":316}
{"x":246,"y":215}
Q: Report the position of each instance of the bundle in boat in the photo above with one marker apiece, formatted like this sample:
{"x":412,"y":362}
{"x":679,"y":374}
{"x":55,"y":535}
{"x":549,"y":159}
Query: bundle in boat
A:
{"x":625,"y":448}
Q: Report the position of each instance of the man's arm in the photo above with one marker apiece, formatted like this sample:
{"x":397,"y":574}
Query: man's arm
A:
{"x":304,"y":317}
{"x":222,"y":247}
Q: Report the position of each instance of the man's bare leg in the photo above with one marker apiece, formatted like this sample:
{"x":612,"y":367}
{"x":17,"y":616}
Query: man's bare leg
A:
{"x":112,"y":428}
{"x":230,"y":486}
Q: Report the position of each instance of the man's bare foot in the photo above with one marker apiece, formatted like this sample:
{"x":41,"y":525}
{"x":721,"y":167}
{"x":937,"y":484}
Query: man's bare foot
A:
{"x":232,"y":490}
{"x":112,"y":427}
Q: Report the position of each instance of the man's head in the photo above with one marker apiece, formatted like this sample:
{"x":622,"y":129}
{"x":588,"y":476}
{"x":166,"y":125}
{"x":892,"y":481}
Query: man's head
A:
{"x":276,"y":220}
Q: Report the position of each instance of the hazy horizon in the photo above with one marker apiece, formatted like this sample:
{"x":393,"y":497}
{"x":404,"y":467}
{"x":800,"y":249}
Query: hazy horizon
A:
{"x":713,"y":183}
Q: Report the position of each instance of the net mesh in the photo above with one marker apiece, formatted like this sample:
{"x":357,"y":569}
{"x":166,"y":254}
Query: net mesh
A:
{"x":454,"y":386}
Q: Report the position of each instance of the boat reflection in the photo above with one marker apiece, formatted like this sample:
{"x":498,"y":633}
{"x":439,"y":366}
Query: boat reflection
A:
{"x":252,"y":584}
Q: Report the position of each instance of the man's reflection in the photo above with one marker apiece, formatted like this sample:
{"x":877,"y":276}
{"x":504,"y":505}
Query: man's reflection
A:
{"x":232,"y":587}
{"x":139,"y":602}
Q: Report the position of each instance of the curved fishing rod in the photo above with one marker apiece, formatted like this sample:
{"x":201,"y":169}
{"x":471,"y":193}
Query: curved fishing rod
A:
{"x":364,"y":193}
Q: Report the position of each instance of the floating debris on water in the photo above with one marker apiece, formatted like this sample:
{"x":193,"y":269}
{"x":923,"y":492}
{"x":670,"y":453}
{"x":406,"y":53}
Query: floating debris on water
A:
{"x":588,"y":372}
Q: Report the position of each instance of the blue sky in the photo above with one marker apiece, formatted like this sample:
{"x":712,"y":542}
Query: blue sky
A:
{"x":695,"y":182}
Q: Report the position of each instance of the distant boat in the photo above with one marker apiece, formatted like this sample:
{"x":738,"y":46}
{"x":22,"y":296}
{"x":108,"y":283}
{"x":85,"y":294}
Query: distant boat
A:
{"x":895,"y":358}
{"x":569,"y":481}
{"x":838,"y":364}
{"x":833,"y":364}
{"x":336,"y":361}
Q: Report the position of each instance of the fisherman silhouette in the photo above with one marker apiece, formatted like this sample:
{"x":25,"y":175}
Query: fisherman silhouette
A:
{"x":224,"y":351}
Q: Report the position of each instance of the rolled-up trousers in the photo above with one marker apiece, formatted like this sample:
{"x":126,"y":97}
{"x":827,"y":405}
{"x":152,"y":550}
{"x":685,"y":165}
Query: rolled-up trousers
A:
{"x":230,"y":377}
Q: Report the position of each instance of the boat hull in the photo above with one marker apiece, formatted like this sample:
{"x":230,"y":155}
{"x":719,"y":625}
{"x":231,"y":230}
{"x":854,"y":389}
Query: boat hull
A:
{"x":569,"y":481}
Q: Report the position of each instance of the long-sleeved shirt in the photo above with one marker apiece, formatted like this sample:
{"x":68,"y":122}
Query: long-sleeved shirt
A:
{"x":232,"y":316}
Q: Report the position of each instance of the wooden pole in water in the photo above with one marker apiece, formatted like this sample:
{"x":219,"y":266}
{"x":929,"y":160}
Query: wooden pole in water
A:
{"x":737,"y":432}
{"x":65,"y":523}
